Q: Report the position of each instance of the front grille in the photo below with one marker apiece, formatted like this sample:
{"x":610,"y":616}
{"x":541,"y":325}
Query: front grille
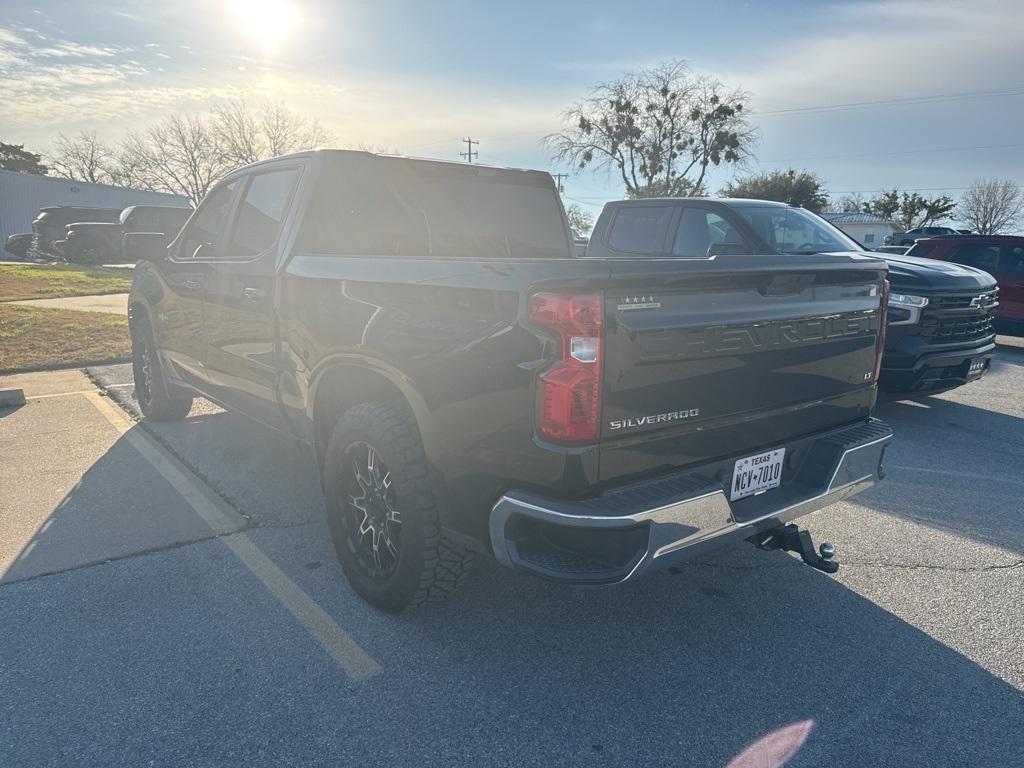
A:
{"x":958,"y":318}
{"x":984,"y":301}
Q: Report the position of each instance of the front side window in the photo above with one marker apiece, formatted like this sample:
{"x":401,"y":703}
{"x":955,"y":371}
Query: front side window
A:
{"x":985,"y":257}
{"x":794,"y":230}
{"x":208,"y":224}
{"x":261,"y":212}
{"x":640,"y":229}
{"x":701,"y":233}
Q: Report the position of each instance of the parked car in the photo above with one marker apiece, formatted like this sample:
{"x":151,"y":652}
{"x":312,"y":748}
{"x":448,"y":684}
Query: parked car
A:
{"x":897,"y":249}
{"x":96,"y":242}
{"x":940,"y":331}
{"x":49,"y":225}
{"x":1001,"y":256}
{"x":18,"y":245}
{"x":466,"y":384}
{"x":911,"y":235}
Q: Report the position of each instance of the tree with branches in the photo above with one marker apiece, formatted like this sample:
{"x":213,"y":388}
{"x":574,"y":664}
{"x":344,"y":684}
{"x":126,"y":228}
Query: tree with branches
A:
{"x":247,"y":137}
{"x":909,"y":210}
{"x":991,"y":206}
{"x":84,"y":157}
{"x":14,"y":157}
{"x":804,"y":189}
{"x":181,"y":154}
{"x":581,"y":221}
{"x":660,"y":128}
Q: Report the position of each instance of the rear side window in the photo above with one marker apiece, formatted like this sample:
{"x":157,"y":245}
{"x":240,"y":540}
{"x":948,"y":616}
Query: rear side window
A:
{"x":640,"y":229}
{"x":984,"y":257}
{"x":366,"y":205}
{"x":702,"y":232}
{"x":261,"y":212}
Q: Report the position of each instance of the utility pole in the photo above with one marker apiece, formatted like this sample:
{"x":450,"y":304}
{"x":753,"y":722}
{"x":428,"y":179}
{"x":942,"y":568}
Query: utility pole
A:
{"x":469,"y":154}
{"x":558,"y":181}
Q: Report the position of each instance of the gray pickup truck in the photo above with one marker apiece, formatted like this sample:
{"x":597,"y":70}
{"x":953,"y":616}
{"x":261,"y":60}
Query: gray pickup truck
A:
{"x":466,"y":383}
{"x":96,"y":242}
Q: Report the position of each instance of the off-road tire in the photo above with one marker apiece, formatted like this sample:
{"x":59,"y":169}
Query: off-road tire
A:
{"x":157,"y":399}
{"x":428,"y":567}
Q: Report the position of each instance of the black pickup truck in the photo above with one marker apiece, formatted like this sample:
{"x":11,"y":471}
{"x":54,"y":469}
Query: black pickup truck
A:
{"x":940,"y":319}
{"x":467,"y":384}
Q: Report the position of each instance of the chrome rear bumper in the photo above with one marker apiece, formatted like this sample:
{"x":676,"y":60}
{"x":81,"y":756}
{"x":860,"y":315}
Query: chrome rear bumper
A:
{"x":620,"y":535}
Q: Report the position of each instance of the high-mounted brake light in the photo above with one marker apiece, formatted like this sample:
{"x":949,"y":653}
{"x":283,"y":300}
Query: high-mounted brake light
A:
{"x":880,"y":339}
{"x":569,"y":393}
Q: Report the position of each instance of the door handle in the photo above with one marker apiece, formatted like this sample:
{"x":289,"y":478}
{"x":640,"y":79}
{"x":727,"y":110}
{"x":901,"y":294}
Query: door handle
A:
{"x":253,"y":294}
{"x":193,"y":285}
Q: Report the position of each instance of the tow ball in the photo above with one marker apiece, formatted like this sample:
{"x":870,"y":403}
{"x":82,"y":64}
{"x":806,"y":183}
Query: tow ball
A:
{"x":791,"y":539}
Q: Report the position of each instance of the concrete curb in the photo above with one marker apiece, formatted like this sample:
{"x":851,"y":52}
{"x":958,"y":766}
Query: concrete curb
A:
{"x":11,"y":397}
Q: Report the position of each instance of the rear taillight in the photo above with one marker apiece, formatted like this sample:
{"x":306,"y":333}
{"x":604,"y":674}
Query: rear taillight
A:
{"x":569,"y":393}
{"x":880,"y":339}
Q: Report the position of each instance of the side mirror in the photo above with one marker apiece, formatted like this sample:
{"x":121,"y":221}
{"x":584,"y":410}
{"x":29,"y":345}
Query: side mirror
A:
{"x":728,"y":249}
{"x":145,"y":246}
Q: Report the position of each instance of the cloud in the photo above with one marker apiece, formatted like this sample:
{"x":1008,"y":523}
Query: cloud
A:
{"x":75,"y":50}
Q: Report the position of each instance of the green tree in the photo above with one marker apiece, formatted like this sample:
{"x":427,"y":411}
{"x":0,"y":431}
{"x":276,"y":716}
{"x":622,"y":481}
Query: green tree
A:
{"x":660,"y":128}
{"x":14,"y":157}
{"x":801,"y":188}
{"x":909,"y":210}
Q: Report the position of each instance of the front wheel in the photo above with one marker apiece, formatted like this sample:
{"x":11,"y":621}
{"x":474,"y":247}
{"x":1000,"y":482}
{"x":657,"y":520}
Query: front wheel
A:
{"x":382,"y":511}
{"x":157,"y":400}
{"x":86,"y":252}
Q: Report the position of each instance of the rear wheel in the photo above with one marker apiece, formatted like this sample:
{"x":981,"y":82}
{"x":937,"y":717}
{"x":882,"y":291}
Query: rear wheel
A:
{"x":158,"y":400}
{"x":382,"y":511}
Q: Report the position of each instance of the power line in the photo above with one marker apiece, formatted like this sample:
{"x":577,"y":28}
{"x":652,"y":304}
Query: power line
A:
{"x":934,"y":98}
{"x":896,"y":152}
{"x":469,"y":154}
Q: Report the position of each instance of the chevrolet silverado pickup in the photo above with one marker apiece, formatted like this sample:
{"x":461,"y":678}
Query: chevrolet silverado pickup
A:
{"x":940,"y":316}
{"x":467,"y":384}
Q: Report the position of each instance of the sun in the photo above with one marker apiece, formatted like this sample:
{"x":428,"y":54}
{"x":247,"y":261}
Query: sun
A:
{"x":265,"y":22}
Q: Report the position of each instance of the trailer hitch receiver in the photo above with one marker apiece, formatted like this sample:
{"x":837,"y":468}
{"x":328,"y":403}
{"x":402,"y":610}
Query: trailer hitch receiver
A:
{"x":791,"y":539}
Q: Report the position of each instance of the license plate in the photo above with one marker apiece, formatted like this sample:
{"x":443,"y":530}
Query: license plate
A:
{"x":977,"y":368}
{"x":757,"y":474}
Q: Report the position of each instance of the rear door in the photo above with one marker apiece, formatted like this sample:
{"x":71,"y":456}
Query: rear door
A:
{"x":242,"y":359}
{"x":721,"y":351}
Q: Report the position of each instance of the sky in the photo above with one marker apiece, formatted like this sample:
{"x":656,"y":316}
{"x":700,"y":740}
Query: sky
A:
{"x":417,"y":76}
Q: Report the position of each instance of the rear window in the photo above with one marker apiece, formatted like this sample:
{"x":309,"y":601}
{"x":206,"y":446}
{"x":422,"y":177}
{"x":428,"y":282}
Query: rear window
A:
{"x":640,"y":228}
{"x":921,"y":250}
{"x":382,"y":206}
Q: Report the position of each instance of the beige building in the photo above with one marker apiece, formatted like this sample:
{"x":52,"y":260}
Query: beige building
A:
{"x":866,"y":228}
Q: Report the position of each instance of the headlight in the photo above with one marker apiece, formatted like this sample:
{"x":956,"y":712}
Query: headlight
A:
{"x":905,"y":309}
{"x":906,"y":300}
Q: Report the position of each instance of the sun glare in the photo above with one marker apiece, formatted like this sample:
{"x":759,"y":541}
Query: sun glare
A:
{"x":265,"y":22}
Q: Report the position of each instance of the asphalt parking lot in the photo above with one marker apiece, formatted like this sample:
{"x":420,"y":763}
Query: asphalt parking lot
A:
{"x":168,"y":596}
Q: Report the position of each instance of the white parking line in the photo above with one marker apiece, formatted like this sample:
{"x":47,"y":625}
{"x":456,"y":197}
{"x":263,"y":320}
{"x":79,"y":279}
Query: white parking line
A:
{"x":356,"y":662}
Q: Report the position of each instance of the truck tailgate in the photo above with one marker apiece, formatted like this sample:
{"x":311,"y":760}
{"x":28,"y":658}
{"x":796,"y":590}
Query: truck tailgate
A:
{"x":718,"y":358}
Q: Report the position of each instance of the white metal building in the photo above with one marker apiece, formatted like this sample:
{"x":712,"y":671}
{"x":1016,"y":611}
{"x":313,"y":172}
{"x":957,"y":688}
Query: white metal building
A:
{"x":23,"y":194}
{"x":865,"y":228}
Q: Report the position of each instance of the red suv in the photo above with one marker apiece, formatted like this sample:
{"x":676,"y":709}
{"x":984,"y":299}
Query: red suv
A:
{"x":1002,"y":256}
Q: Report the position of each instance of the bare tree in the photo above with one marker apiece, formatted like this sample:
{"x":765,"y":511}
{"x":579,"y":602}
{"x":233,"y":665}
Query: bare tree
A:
{"x":659,"y":128}
{"x":181,"y":155}
{"x":246,"y":137}
{"x":991,"y":206}
{"x":581,"y":221}
{"x":84,"y":157}
{"x":852,"y":203}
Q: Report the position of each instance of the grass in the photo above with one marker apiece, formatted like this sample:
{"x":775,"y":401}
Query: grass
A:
{"x":34,"y":337}
{"x":51,"y":281}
